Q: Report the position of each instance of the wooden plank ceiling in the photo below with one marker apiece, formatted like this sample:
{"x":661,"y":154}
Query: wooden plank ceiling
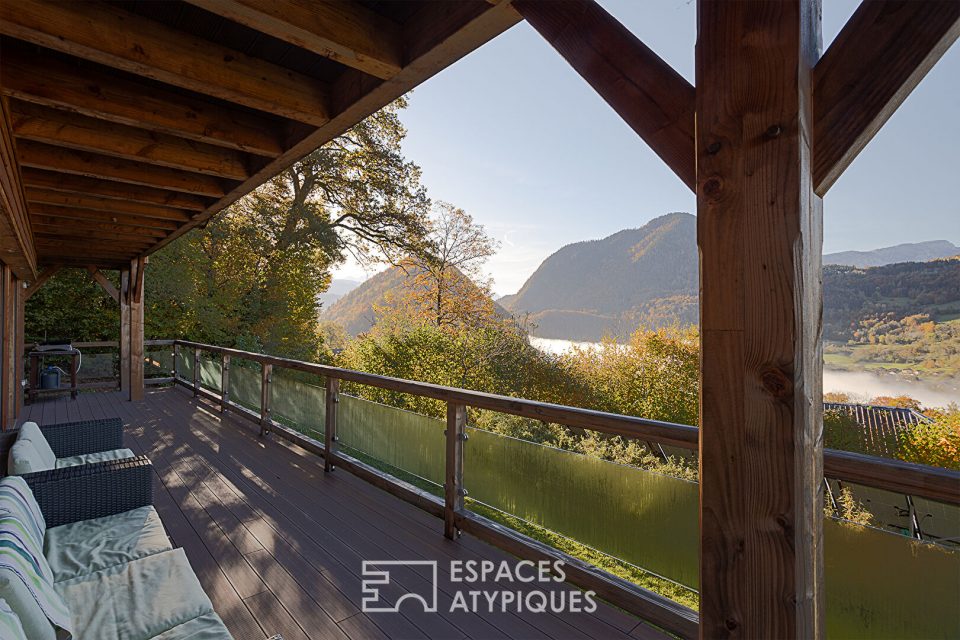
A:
{"x":126,"y":124}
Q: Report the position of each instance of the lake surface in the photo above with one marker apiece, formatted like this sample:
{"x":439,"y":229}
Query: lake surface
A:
{"x":863,"y":385}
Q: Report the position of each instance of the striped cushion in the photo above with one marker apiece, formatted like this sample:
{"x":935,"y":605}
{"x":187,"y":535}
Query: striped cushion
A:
{"x":10,"y":626}
{"x":26,"y":580}
{"x":17,"y":502}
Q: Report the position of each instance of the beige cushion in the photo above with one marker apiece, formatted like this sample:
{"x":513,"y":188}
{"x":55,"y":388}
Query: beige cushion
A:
{"x":137,"y":600}
{"x":10,"y":625}
{"x":209,"y":626}
{"x":31,"y":431}
{"x":35,"y":623}
{"x":82,"y":548}
{"x":90,"y":458}
{"x":24,"y":458}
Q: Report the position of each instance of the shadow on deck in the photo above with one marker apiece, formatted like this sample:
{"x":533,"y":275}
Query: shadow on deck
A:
{"x":279,"y":546}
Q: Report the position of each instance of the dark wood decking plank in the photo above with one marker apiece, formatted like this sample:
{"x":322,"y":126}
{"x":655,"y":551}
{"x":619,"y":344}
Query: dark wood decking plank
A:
{"x":274,"y":618}
{"x":294,"y":598}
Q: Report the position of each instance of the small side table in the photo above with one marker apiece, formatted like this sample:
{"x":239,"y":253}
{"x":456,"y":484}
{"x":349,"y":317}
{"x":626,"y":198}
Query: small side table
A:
{"x":36,"y":359}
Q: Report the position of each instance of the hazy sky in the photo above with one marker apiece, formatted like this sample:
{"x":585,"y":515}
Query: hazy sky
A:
{"x":514,"y":136}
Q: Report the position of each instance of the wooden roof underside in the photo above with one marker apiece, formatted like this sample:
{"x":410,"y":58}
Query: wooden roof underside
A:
{"x":126,"y":124}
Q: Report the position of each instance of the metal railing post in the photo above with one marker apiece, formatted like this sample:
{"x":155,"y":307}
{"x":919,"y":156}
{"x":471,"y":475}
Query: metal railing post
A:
{"x":196,"y":372}
{"x":176,"y":358}
{"x":454,"y":492}
{"x":225,"y":383}
{"x":266,"y":378}
{"x":330,"y":424}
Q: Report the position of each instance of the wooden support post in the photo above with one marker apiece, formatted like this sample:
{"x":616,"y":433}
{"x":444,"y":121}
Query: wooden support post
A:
{"x":135,"y":304}
{"x":196,"y":372}
{"x":330,"y":425}
{"x":124,"y":331}
{"x":266,"y":379}
{"x":456,"y":434}
{"x":131,"y":329}
{"x":225,"y":383}
{"x":8,"y":282}
{"x":760,"y":238}
{"x":20,"y":347}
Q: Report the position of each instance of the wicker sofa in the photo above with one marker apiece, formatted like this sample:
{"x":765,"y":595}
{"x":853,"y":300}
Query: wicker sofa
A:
{"x":70,"y":444}
{"x":109,"y":559}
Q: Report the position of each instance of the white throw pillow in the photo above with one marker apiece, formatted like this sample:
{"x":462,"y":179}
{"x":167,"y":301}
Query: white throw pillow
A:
{"x":24,"y":458}
{"x":31,"y":431}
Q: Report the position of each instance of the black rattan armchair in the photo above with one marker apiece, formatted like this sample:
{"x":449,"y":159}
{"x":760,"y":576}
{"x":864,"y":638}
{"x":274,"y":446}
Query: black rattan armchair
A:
{"x":93,"y":490}
{"x":71,"y":438}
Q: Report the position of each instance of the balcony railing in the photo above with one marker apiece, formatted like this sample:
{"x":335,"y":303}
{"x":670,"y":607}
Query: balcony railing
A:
{"x":916,"y":481}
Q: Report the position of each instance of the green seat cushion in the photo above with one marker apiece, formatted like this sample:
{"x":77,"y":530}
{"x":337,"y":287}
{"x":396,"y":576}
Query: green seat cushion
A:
{"x":24,"y":457}
{"x":89,"y":458}
{"x":81,"y":548}
{"x":17,"y":595}
{"x":31,"y":431}
{"x":10,"y":626}
{"x":137,"y":600}
{"x":209,"y":626}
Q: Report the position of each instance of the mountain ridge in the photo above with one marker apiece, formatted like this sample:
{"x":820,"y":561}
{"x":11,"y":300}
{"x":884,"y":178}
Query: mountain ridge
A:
{"x":905,"y":252}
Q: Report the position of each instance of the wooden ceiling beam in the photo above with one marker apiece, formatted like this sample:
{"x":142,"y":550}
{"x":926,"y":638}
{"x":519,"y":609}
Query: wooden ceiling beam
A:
{"x":346,"y":32}
{"x":16,"y":243}
{"x":104,"y":283}
{"x":54,"y":251}
{"x":73,"y":131}
{"x":79,"y":185}
{"x":111,"y":36}
{"x":650,"y":96}
{"x":91,"y":241}
{"x":43,"y":156}
{"x":40,"y":280}
{"x":878,"y":58}
{"x":86,"y":215}
{"x":93,"y":233}
{"x":45,"y":78}
{"x":74,"y":201}
{"x":53,"y":223}
{"x":437,"y":36}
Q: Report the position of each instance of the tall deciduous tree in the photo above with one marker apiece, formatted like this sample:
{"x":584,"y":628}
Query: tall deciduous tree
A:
{"x":445,"y":280}
{"x":253,"y":275}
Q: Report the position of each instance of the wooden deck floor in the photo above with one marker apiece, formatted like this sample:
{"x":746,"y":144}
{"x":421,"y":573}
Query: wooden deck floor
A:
{"x":278,"y":545}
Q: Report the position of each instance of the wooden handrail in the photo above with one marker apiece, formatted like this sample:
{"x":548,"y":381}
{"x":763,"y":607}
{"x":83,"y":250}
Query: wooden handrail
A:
{"x":893,"y":475}
{"x":108,"y":344}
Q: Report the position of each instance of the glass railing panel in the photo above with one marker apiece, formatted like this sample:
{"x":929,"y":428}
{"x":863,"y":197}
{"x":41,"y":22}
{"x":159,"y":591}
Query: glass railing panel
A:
{"x":158,"y":362}
{"x":882,"y":585}
{"x":406,"y":441}
{"x":185,"y":363}
{"x":645,"y":518}
{"x":297,"y":401}
{"x":211,"y":371}
{"x":244,"y":383}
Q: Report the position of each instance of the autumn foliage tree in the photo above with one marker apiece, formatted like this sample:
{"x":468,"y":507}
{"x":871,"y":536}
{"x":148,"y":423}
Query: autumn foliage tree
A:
{"x":252,"y":277}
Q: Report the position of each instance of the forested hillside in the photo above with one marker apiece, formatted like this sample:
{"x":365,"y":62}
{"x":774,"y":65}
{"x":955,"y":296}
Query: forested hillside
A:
{"x":609,"y":287}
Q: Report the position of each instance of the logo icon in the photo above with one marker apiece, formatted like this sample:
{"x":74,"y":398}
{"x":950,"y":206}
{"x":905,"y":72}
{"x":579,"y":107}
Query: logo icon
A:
{"x":374,"y":578}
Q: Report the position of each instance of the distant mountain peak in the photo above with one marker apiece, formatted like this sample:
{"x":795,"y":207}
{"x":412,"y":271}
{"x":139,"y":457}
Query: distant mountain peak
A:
{"x":906,"y":252}
{"x":607,"y":286}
